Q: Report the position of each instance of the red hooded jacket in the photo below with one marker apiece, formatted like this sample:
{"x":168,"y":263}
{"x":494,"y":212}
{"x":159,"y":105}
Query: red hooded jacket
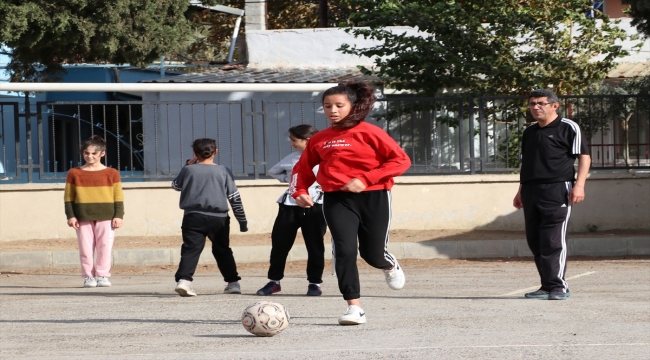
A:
{"x":365,"y":152}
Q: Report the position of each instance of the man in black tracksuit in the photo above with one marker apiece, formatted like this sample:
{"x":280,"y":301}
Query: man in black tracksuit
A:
{"x":548,"y":187}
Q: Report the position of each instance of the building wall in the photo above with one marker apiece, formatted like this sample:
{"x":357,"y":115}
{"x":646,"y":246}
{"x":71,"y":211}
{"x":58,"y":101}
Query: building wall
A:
{"x":295,"y":48}
{"x":465,"y":202}
{"x":305,"y":48}
{"x":614,"y":9}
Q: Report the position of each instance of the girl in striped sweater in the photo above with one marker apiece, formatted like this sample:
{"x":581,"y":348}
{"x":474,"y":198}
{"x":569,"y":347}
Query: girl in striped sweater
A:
{"x":94,"y":206}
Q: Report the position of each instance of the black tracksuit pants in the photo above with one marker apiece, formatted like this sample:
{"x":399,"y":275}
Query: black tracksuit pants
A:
{"x":366,"y":215}
{"x":195,"y":228}
{"x":546,"y":212}
{"x":285,"y":228}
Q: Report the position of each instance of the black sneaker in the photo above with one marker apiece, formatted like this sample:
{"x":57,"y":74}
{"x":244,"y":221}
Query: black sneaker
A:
{"x":314,"y":290}
{"x":538,"y":294}
{"x":558,"y":295}
{"x":271,"y":288}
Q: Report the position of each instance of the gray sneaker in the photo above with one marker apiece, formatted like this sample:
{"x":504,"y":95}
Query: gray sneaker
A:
{"x":184,"y":288}
{"x":102,"y":281}
{"x":537,"y":294}
{"x":558,"y":295}
{"x":90,"y":282}
{"x":232,"y":288}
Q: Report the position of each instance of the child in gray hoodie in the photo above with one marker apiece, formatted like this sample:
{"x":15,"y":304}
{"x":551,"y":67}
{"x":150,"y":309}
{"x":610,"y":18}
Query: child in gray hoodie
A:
{"x":206,"y":189}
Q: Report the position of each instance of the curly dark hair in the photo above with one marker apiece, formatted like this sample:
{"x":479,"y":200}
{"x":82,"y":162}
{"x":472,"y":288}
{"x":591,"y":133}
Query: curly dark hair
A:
{"x":204,"y":148}
{"x":361,"y":96}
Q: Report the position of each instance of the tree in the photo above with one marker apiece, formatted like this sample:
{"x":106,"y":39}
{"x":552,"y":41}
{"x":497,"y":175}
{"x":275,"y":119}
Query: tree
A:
{"x":478,"y":47}
{"x":40,"y":36}
{"x":628,"y":106}
{"x":640,"y":12}
{"x":83,"y":31}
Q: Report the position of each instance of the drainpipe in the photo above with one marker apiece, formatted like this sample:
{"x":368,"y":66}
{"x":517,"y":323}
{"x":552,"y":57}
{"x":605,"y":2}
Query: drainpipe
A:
{"x":234,"y":39}
{"x":226,"y":10}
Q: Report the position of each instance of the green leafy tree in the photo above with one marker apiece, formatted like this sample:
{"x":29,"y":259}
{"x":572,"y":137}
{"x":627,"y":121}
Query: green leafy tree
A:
{"x":640,"y":12}
{"x":53,"y":33}
{"x":629,"y":112}
{"x":478,"y":47}
{"x":41,"y":36}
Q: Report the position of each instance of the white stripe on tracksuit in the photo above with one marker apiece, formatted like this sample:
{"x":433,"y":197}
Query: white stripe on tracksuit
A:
{"x":569,"y":187}
{"x":388,"y":256}
{"x":577,"y":141}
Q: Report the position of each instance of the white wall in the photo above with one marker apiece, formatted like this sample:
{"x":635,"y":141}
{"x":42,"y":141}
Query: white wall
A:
{"x":315,"y":48}
{"x":305,"y":48}
{"x":464,"y":202}
{"x":636,"y":55}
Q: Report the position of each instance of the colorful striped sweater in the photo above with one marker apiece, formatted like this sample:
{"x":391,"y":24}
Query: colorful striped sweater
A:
{"x":93,"y":195}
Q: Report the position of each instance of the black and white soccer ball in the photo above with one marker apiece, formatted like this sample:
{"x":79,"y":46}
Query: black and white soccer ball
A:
{"x":265,"y":318}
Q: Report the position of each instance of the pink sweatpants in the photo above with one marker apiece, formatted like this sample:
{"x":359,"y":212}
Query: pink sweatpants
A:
{"x":95,"y":235}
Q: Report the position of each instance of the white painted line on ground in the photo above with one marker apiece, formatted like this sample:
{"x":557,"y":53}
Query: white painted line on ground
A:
{"x":537,"y":287}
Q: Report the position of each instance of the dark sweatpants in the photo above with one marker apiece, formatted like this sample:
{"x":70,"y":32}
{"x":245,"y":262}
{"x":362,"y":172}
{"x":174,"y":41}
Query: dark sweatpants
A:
{"x":546,"y":212}
{"x":366,"y":215}
{"x":285,"y":228}
{"x":195,"y":228}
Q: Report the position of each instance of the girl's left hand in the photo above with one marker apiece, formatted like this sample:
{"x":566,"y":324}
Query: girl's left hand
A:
{"x":355,"y":185}
{"x":116,"y":223}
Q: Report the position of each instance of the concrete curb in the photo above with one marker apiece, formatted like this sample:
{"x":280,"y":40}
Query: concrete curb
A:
{"x":445,"y":249}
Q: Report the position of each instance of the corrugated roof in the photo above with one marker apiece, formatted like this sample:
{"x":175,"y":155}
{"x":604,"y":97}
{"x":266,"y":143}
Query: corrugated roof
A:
{"x":629,"y":70}
{"x":251,"y":75}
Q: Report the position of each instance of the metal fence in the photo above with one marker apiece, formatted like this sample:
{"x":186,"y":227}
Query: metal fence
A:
{"x":152,"y":140}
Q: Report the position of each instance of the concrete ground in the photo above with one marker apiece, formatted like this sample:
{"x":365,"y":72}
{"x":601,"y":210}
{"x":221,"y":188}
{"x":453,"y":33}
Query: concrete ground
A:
{"x":448,"y":309}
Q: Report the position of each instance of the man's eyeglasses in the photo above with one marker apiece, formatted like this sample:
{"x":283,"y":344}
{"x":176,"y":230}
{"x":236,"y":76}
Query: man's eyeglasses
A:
{"x":534,"y":104}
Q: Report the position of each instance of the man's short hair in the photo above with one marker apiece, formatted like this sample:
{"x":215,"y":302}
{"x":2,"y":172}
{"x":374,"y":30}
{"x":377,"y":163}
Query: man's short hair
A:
{"x":548,"y":94}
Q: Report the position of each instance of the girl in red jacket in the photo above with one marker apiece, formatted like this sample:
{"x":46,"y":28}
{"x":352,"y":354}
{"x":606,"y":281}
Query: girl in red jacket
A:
{"x":357,"y":164}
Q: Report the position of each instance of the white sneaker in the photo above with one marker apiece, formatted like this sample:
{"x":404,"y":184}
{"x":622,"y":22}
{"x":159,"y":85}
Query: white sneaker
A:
{"x":184,"y":288}
{"x":90,"y":282}
{"x":395,"y":277}
{"x":232,"y":288}
{"x":353,"y":316}
{"x":102,"y":281}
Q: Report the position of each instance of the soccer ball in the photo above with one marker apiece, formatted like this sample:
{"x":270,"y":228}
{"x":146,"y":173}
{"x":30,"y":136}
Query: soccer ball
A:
{"x":265,"y":318}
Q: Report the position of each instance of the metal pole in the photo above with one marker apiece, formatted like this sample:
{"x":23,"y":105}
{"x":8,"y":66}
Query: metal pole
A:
{"x":162,"y":66}
{"x":234,"y":39}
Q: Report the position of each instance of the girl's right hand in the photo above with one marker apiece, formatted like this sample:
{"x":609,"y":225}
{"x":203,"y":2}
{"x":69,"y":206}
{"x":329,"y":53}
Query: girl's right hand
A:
{"x":304,"y":201}
{"x":73,"y":223}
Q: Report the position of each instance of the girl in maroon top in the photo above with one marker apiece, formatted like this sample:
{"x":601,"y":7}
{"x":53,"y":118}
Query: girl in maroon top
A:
{"x":357,"y":164}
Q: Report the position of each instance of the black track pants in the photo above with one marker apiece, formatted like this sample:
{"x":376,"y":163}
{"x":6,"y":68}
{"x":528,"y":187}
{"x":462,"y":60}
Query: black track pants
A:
{"x":546,"y":212}
{"x":195,"y":228}
{"x":312,"y":224}
{"x":366,"y":215}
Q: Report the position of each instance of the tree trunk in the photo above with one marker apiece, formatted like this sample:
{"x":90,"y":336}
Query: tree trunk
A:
{"x":626,"y":140}
{"x":322,"y":14}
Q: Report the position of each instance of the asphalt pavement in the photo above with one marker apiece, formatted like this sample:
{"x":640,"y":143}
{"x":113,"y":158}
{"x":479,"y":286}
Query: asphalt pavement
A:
{"x":449,"y":309}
